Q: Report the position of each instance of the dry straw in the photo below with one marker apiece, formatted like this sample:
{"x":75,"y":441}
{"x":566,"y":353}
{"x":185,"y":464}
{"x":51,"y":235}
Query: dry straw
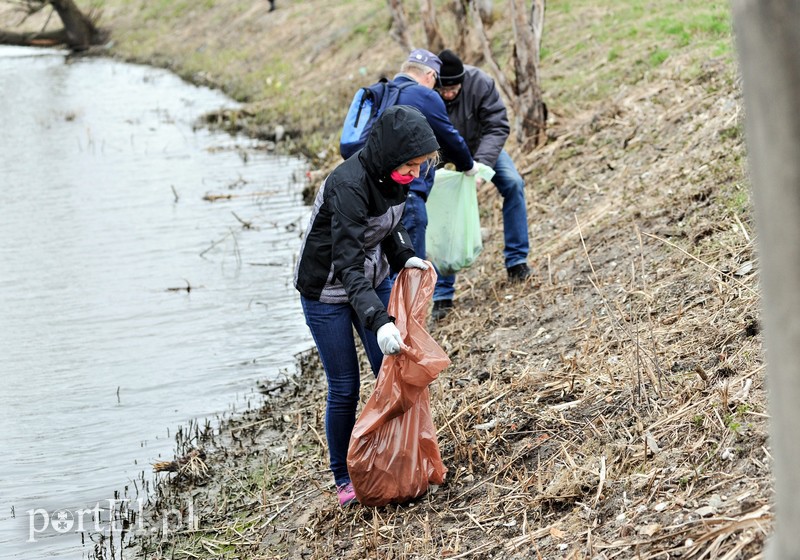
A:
{"x":613,"y":406}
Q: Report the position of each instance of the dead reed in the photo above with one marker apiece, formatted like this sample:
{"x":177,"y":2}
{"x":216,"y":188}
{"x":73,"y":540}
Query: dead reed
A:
{"x":611,"y":407}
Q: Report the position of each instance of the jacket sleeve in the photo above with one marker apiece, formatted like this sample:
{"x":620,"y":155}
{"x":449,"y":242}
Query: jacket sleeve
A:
{"x":493,"y":120}
{"x":398,"y":248}
{"x":453,"y":145}
{"x":349,"y":214}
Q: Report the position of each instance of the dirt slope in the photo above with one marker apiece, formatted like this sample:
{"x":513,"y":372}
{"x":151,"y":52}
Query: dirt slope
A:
{"x":612,"y":407}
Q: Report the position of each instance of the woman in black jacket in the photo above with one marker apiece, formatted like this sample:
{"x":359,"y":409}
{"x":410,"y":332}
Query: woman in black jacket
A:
{"x":353,"y":242}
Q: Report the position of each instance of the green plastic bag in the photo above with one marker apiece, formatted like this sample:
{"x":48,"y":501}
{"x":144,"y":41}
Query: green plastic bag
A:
{"x":453,"y":238}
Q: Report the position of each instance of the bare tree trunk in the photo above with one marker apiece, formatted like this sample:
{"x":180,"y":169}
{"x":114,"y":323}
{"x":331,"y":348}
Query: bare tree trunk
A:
{"x":486,"y":10}
{"x":530,"y":120}
{"x":399,"y":30}
{"x":524,"y":94}
{"x":79,"y":32}
{"x":537,"y":26}
{"x":471,"y":16}
{"x":767,"y":36}
{"x":460,"y":10}
{"x":499,"y":76}
{"x":432,"y":33}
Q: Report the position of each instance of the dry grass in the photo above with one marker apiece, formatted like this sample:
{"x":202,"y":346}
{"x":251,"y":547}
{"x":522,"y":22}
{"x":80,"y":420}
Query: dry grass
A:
{"x":613,"y":406}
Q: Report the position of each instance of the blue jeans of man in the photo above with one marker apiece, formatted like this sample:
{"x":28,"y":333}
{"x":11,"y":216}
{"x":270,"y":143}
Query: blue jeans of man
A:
{"x":331,"y":325}
{"x":515,"y":222}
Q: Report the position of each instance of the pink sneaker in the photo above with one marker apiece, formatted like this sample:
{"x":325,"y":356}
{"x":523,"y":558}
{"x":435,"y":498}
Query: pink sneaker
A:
{"x":346,"y":494}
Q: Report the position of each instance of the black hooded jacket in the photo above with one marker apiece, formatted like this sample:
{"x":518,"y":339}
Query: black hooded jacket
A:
{"x":355,"y":235}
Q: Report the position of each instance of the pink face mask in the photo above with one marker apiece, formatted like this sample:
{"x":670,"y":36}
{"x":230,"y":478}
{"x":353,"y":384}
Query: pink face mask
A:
{"x":402,"y":179}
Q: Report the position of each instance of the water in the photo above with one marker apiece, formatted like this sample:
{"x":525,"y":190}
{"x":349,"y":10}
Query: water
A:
{"x":104,"y":225}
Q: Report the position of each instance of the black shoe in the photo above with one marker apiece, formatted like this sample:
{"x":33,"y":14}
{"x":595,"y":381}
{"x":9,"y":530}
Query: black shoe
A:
{"x":441,"y":308}
{"x":518,"y":272}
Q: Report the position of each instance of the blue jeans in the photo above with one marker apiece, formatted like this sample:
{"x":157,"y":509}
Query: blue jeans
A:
{"x":415,"y":220}
{"x":331,"y":325}
{"x":515,"y":222}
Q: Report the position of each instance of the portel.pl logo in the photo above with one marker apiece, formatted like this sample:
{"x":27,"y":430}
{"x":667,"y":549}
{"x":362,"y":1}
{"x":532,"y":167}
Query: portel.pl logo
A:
{"x":111,"y":516}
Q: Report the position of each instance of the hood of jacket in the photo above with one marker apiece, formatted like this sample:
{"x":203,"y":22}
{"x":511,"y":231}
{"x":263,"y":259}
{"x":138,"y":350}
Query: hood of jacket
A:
{"x":400,"y":134}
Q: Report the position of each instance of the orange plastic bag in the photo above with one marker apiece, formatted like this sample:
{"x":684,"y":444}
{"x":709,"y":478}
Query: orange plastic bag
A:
{"x":393,"y":454}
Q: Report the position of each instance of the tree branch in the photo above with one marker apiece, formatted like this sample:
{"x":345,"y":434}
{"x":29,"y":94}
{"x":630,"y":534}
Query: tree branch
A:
{"x":399,"y":31}
{"x":49,"y":38}
{"x":502,"y":80}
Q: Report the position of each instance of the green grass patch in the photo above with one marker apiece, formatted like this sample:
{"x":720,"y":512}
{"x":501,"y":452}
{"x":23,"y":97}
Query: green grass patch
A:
{"x":737,"y":199}
{"x":161,"y":10}
{"x":615,"y":44}
{"x":657,"y":57}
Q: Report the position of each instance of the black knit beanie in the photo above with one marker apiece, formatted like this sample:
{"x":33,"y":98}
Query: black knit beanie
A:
{"x":452,"y":71}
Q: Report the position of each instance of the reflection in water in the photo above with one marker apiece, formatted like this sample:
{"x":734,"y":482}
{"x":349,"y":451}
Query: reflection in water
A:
{"x":129,"y":304}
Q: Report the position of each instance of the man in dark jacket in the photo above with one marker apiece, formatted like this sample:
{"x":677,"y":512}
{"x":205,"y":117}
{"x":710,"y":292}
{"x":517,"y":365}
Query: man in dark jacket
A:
{"x":421,"y":70}
{"x":478,"y":113}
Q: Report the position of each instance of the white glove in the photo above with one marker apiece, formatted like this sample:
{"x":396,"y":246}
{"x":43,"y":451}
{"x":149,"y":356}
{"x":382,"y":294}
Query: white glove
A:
{"x":416,"y":262}
{"x":389,"y":339}
{"x":473,"y":171}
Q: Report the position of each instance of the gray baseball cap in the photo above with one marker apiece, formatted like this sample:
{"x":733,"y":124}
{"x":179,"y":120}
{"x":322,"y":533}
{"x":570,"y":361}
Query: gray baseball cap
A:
{"x":427,"y":58}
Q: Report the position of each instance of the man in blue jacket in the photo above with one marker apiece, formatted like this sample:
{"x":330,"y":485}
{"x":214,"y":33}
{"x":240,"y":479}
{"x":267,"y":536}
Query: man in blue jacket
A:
{"x":476,"y":110}
{"x":421,"y":70}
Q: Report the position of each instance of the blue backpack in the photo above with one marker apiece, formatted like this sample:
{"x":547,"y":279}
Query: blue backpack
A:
{"x":367,"y":105}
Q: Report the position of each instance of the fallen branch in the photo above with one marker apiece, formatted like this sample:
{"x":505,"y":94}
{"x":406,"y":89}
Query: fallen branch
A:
{"x":214,"y":197}
{"x":187,"y":288}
